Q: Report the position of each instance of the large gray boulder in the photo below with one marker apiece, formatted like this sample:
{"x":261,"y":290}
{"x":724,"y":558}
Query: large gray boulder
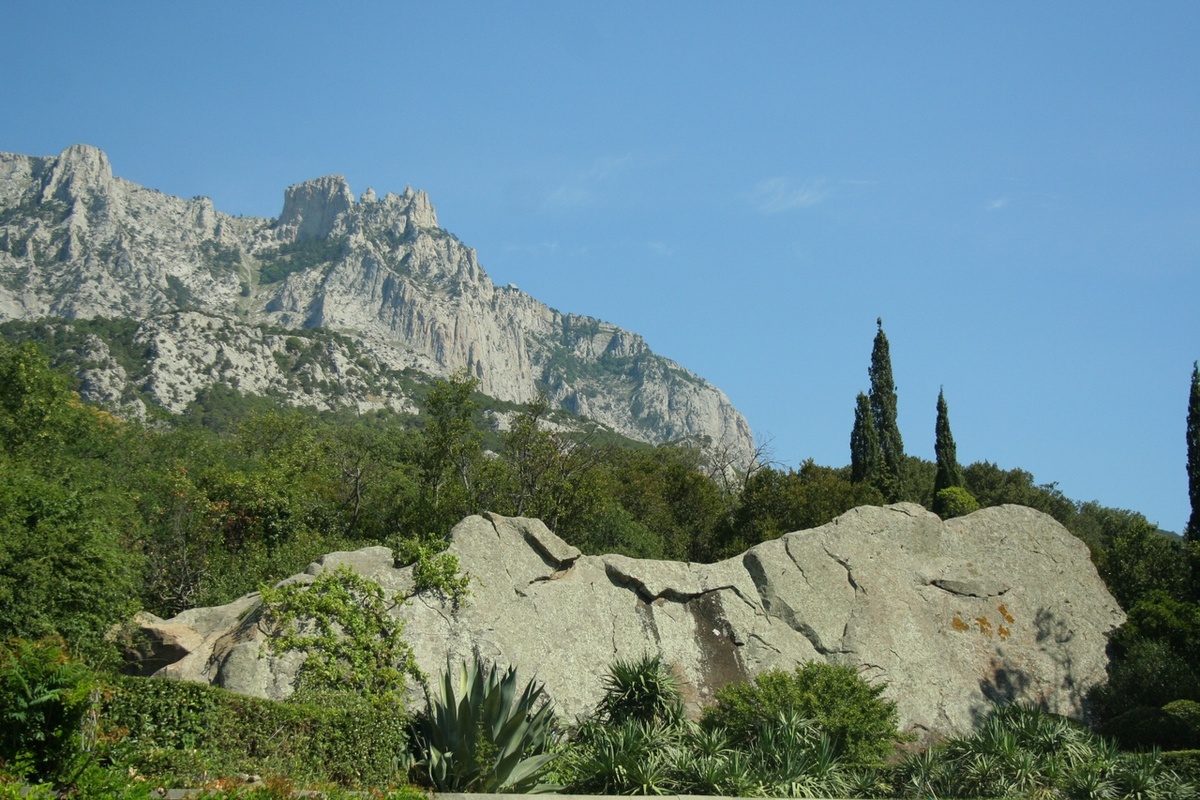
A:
{"x":1003,"y":604}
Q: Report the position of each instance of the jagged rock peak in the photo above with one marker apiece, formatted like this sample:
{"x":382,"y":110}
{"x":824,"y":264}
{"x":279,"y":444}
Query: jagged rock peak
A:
{"x":416,"y":206}
{"x":76,"y":242}
{"x":311,"y":208}
{"x":78,"y":170}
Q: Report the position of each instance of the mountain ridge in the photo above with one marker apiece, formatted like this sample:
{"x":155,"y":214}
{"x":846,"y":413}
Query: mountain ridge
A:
{"x":208,"y":289}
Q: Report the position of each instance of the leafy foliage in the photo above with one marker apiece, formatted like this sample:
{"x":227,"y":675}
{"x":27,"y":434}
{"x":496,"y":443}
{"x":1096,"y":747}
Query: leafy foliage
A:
{"x":342,"y":621}
{"x":44,"y":696}
{"x":788,"y":757}
{"x":483,"y":737}
{"x":187,"y":734}
{"x":993,"y":486}
{"x":955,"y":501}
{"x":1139,"y":562}
{"x":434,"y":569}
{"x":949,"y":474}
{"x":775,"y":502}
{"x":865,"y":454}
{"x":850,"y":710}
{"x":66,"y":568}
{"x":1022,"y":751}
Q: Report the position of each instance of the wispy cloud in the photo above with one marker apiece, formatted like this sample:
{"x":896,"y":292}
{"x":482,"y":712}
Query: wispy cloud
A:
{"x":997,"y":204}
{"x":543,"y":248}
{"x":661,"y":248}
{"x":776,"y":195}
{"x":582,"y":188}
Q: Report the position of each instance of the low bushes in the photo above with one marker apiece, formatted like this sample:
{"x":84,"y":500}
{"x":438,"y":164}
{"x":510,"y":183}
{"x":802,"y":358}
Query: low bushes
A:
{"x":803,"y":734}
{"x":186,"y":733}
{"x":846,"y":707}
{"x":1022,"y":751}
{"x":1175,"y":726}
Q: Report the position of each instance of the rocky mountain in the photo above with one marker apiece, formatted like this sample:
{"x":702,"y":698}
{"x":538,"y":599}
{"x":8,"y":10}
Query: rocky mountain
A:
{"x":337,"y":302}
{"x":1001,"y":605}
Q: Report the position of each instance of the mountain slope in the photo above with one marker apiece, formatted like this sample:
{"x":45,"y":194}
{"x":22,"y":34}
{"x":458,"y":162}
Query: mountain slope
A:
{"x":240,"y":301}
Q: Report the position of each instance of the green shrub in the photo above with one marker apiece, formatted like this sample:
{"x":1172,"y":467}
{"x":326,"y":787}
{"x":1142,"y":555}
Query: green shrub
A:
{"x":181,"y":733}
{"x":1175,"y":726}
{"x":788,"y":757}
{"x":343,"y":622}
{"x":1186,"y":715}
{"x":44,"y":696}
{"x":1184,"y":763}
{"x":1023,"y":751}
{"x":954,"y":501}
{"x":644,"y":690}
{"x":860,"y":722}
{"x":626,"y":757}
{"x":1150,"y":673}
{"x":1140,"y":727}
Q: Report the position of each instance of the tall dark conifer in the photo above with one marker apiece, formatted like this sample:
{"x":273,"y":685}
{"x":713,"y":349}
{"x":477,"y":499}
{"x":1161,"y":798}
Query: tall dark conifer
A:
{"x":948,"y":472}
{"x":1193,"y":454}
{"x":883,"y":409}
{"x":864,"y":444}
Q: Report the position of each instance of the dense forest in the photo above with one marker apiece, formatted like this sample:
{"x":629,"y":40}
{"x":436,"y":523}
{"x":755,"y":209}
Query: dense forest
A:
{"x":100,"y":517}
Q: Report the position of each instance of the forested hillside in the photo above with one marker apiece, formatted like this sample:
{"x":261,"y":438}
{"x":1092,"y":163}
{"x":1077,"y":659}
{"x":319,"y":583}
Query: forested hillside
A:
{"x":100,"y":517}
{"x":103,"y":516}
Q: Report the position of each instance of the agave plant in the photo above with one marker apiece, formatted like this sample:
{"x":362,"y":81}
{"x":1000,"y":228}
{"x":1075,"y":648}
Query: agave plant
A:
{"x":483,"y":737}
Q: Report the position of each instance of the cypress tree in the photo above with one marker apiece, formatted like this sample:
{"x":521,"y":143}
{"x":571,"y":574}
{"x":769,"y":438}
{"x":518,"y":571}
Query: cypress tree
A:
{"x":883,"y":409}
{"x":864,"y":443}
{"x":1193,"y":455}
{"x":948,"y":472}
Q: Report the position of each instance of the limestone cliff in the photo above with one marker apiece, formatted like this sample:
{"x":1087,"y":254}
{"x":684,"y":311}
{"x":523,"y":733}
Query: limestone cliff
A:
{"x":217,"y":296}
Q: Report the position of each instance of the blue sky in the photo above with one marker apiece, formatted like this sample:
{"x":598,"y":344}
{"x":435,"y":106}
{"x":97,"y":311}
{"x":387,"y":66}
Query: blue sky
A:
{"x":1014,"y":187}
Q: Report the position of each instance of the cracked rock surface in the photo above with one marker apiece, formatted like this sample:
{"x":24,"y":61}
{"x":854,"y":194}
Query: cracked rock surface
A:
{"x":1003,"y":604}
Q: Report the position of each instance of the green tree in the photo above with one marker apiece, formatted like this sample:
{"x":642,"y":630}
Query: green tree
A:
{"x":450,"y":456}
{"x":68,"y":526}
{"x":553,"y":475}
{"x":864,"y":443}
{"x":666,"y":491}
{"x":1140,"y":560}
{"x":949,"y":474}
{"x":993,"y":486}
{"x":64,"y":567}
{"x":37,"y":409}
{"x":1193,"y":455}
{"x":883,"y":408}
{"x":776,"y":502}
